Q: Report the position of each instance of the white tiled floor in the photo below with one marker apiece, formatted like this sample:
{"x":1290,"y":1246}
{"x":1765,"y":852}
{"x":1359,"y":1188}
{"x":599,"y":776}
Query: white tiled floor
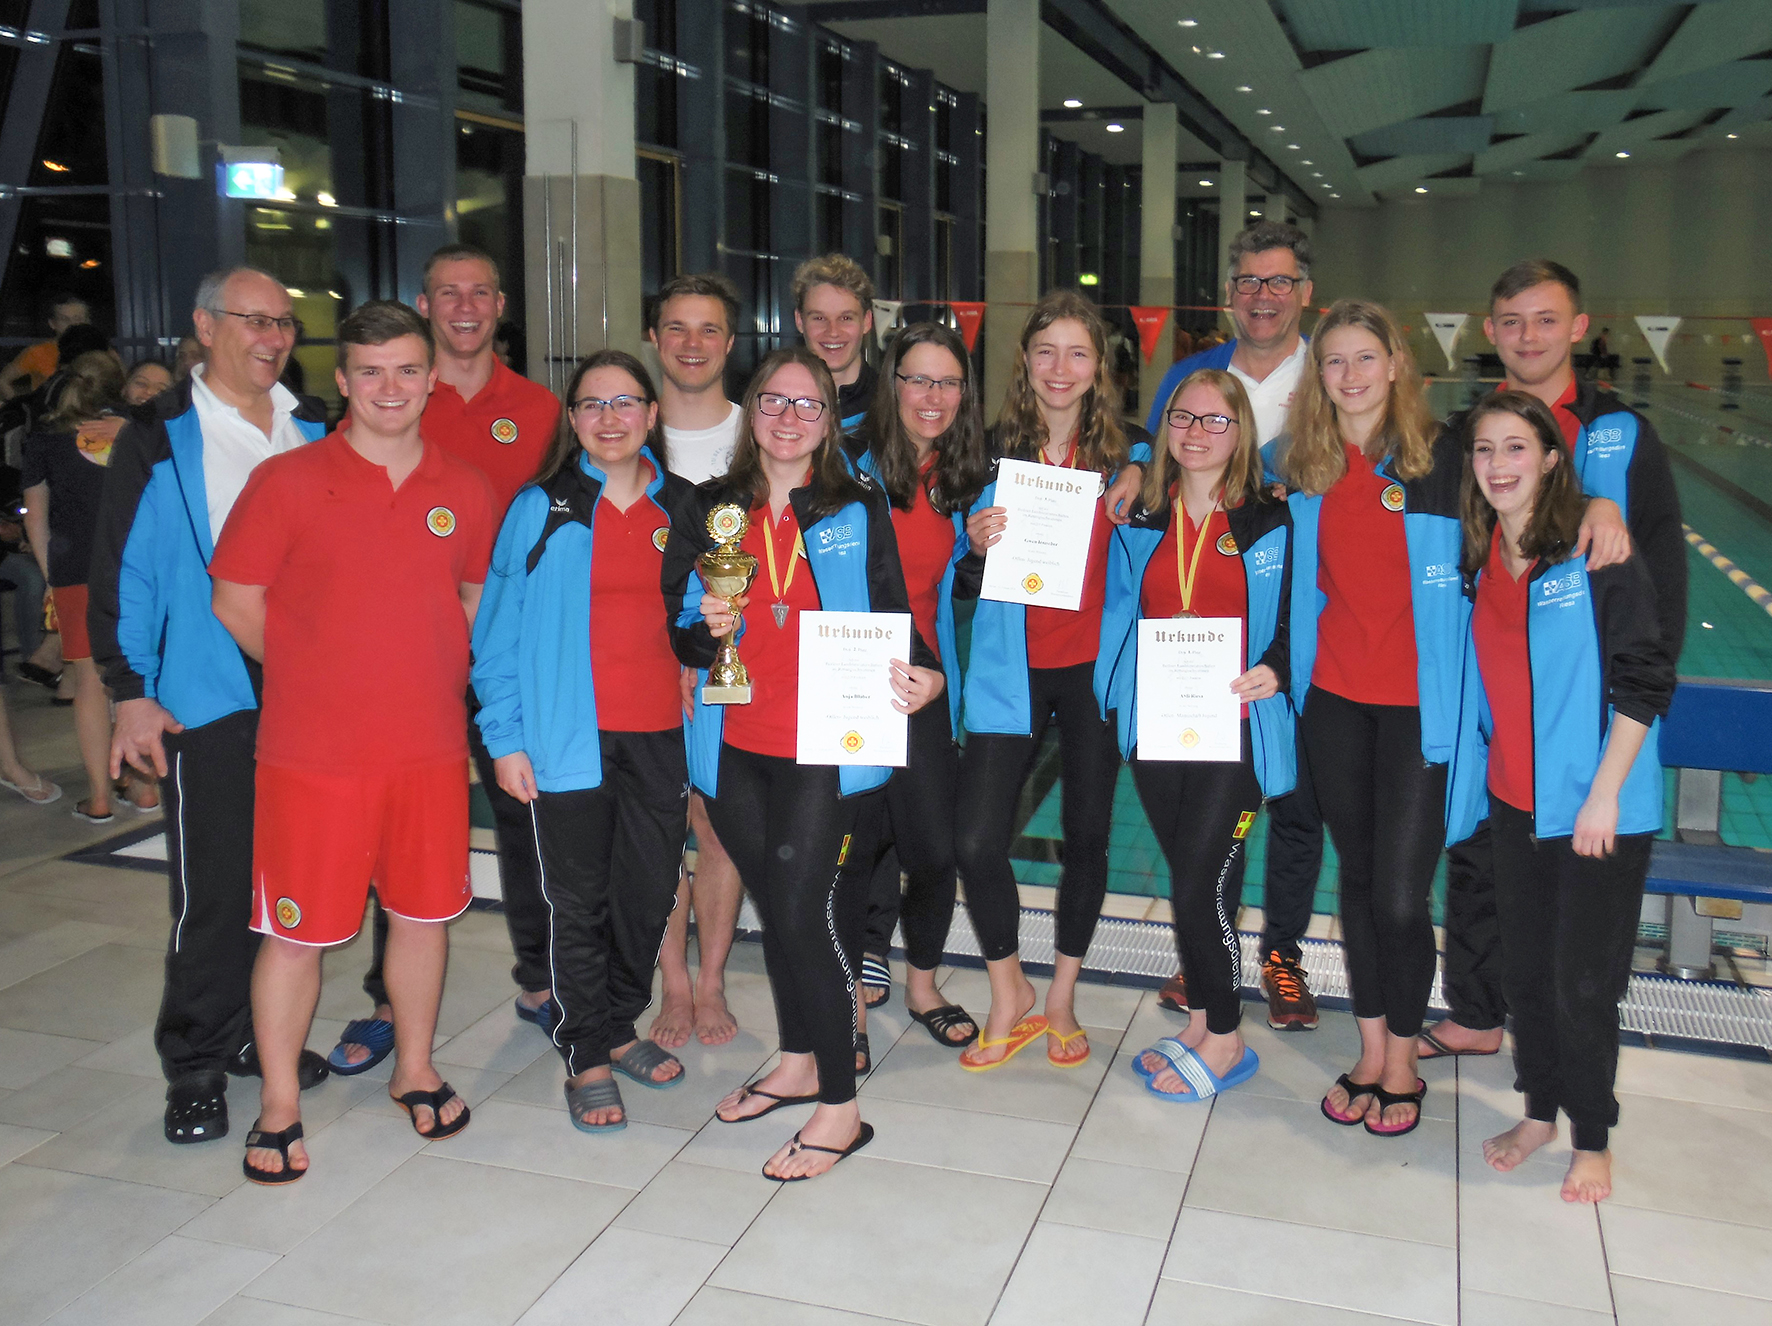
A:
{"x":1028,"y":1195}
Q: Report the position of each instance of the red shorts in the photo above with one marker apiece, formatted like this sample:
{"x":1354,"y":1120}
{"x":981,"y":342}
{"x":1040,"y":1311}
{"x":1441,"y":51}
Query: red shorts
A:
{"x":320,"y":840}
{"x":70,"y":620}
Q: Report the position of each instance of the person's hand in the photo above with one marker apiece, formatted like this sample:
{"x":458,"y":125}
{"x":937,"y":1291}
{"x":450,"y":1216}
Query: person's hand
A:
{"x":719,"y":616}
{"x":138,"y":737}
{"x":985,"y":527}
{"x":1258,"y":683}
{"x":914,"y":687}
{"x":1596,"y":824}
{"x":686,"y":688}
{"x":1604,"y":537}
{"x":1121,"y":492}
{"x":516,"y":775}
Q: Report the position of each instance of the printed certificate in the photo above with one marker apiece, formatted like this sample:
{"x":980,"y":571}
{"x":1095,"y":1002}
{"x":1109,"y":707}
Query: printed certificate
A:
{"x":846,"y":713}
{"x":1044,"y":552}
{"x":1186,"y":707}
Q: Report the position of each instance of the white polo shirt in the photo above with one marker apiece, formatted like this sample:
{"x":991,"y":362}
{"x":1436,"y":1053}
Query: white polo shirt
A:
{"x":233,"y":446}
{"x":1271,"y":397}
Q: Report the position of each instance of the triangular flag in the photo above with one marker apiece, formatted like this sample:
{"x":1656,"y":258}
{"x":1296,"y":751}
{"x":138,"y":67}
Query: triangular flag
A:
{"x":1763,"y":329}
{"x":1446,"y":328}
{"x":969,"y":315}
{"x":1658,"y":331}
{"x":885,"y":318}
{"x":1150,"y":320}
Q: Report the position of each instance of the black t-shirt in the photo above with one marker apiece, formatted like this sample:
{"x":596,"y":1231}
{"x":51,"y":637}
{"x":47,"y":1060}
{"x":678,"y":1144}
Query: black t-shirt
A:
{"x":76,"y":478}
{"x":853,"y":400}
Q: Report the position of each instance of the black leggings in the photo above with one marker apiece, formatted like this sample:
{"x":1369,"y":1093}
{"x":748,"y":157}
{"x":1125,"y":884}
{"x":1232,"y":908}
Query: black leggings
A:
{"x":919,"y":841}
{"x":790,"y":832}
{"x":993,"y":770}
{"x":609,"y":857}
{"x":1202,"y":814}
{"x":1386,"y":810}
{"x":1568,"y":925}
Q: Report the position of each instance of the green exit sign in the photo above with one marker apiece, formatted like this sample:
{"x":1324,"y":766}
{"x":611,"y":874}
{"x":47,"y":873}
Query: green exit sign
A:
{"x":250,"y":179}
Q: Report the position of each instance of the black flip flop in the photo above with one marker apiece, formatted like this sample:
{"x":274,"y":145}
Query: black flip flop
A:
{"x":863,"y":1053}
{"x":940,"y":1021}
{"x":259,"y":1140}
{"x":436,"y":1100}
{"x":1441,"y":1050}
{"x":1388,"y":1098}
{"x":862,"y":1138}
{"x":1354,"y":1091}
{"x":781,"y":1102}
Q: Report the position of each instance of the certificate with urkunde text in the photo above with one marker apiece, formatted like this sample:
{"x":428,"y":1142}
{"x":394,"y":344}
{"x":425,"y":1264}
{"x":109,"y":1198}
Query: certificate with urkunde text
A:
{"x":1186,"y":707}
{"x":846,"y":713}
{"x":1043,"y":555}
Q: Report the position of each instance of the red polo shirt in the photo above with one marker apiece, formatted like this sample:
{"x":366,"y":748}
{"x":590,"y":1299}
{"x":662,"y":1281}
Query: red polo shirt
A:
{"x":633,"y":670}
{"x":1366,"y":632}
{"x":504,"y":432}
{"x":1220,"y":587}
{"x":770,"y":723}
{"x":366,"y":644}
{"x":925,"y":547}
{"x":1498,"y":624}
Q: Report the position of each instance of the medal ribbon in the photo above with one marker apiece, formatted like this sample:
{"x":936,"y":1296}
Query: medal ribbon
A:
{"x":1070,"y":454}
{"x":777,"y":586}
{"x":1187,"y":575}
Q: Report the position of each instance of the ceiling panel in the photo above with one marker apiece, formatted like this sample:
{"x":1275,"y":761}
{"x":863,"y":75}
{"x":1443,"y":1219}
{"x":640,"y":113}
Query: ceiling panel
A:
{"x":1351,"y":25}
{"x":1516,"y":152}
{"x":1715,"y":33}
{"x":1439,"y":133}
{"x":1380,"y":87}
{"x":1573,"y":50}
{"x":1539,"y":171}
{"x":1409,"y":170}
{"x":1568,"y":111}
{"x":1633,"y":133}
{"x":1737,"y":83}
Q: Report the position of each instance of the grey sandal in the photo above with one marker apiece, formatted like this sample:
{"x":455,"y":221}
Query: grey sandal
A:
{"x":639,"y":1063}
{"x":598,"y":1095}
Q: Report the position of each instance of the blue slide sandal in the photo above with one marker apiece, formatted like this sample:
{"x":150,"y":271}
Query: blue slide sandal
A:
{"x":1201,"y":1080}
{"x":375,"y":1034}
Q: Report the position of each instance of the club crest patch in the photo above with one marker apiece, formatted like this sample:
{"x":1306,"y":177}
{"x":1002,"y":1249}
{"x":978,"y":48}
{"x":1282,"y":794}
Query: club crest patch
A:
{"x":1227,"y":544}
{"x":1392,"y":497}
{"x":440,"y":520}
{"x":288,"y":914}
{"x":1033,"y":584}
{"x":852,"y":741}
{"x":661,"y":536}
{"x":1244,"y":822}
{"x":504,"y":431}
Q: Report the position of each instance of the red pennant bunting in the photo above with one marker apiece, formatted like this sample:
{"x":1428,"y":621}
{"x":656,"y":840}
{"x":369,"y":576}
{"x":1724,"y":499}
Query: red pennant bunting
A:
{"x":969,"y":315}
{"x":1763,"y":329}
{"x":1150,"y":322}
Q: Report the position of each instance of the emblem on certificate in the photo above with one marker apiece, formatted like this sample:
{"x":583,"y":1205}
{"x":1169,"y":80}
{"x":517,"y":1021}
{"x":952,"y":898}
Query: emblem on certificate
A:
{"x":727,"y":571}
{"x":1033,"y":584}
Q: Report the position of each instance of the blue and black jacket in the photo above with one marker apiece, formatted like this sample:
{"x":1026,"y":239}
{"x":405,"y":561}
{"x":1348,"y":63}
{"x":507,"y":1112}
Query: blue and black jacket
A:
{"x":1441,"y":610}
{"x":532,"y":658}
{"x":1620,"y":456}
{"x":1262,"y":531}
{"x":1594,"y":643}
{"x":153,"y":631}
{"x":853,"y":556}
{"x":996,"y":696}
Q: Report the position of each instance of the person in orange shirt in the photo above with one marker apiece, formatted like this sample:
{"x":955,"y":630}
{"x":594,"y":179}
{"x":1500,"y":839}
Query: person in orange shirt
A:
{"x":33,"y":365}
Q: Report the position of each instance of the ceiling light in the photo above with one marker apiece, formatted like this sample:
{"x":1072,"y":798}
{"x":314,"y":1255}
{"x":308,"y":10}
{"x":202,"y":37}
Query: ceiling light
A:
{"x":89,"y":264}
{"x":1421,"y":188}
{"x":1187,"y":22}
{"x":1307,"y":162}
{"x":335,"y":294}
{"x":1198,"y":51}
{"x":1215,"y":55}
{"x":325,"y":199}
{"x":1244,"y":87}
{"x":1733,"y":135}
{"x":1335,"y":195}
{"x":1292,"y":147}
{"x":1253,"y":212}
{"x":1071,"y":103}
{"x":296,"y":293}
{"x":1116,"y":128}
{"x":1621,"y":155}
{"x":1264,"y":111}
{"x":1205,"y":184}
{"x":1519,"y":172}
{"x":56,"y":166}
{"x":1315,"y":174}
{"x":1277,"y":128}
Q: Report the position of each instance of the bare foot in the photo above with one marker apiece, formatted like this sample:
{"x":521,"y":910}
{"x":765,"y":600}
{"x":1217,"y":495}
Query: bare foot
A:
{"x":1340,"y":1104}
{"x":1460,"y":1040}
{"x":603,"y":1115}
{"x":266,"y":1159}
{"x":355,"y":1053}
{"x":798,"y":1078}
{"x":1589,"y":1178}
{"x":424,"y":1118}
{"x":714,"y":1023}
{"x":662,"y":1073}
{"x":833,"y":1126}
{"x":1510,"y":1148}
{"x":1220,"y":1053}
{"x":999,"y":1023}
{"x":675,"y":1020}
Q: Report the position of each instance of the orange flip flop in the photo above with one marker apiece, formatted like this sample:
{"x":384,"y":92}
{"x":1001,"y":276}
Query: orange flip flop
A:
{"x":1062,"y":1059}
{"x":1024,"y":1034}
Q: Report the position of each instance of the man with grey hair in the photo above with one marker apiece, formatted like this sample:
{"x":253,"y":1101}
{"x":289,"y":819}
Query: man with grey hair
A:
{"x":187,"y":697}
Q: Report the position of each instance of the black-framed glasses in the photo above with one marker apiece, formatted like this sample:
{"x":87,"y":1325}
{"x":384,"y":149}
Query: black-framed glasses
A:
{"x":1251,"y":285}
{"x":625,"y":407}
{"x":262,"y":323}
{"x":946,"y":386}
{"x":1181,"y":421}
{"x":807,"y":408}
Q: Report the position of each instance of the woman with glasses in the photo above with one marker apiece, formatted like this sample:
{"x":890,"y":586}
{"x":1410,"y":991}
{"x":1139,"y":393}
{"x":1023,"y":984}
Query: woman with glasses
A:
{"x":1206,"y":540}
{"x":1029,"y":667}
{"x":580,"y":710}
{"x":924,"y":440}
{"x":1378,"y":625}
{"x":800,"y":834}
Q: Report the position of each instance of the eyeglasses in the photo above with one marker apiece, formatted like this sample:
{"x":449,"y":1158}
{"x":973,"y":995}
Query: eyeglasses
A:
{"x":625,"y":407}
{"x":917,"y":382}
{"x":1181,"y":421}
{"x":808,"y":408}
{"x":261,"y":323}
{"x":1251,"y":285}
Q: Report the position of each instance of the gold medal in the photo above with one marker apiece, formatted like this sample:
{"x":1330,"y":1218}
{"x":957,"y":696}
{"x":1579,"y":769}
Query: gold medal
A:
{"x":1184,"y":613}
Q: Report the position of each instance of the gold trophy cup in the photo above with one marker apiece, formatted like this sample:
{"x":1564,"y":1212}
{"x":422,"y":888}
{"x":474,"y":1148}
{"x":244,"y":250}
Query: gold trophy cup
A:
{"x":727,"y":571}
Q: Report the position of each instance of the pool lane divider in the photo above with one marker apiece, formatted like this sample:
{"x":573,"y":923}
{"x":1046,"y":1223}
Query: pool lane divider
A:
{"x":1761,"y":596}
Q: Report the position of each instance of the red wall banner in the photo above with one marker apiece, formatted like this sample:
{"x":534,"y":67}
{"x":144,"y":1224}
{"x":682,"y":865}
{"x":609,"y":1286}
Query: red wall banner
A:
{"x":1150,"y":320}
{"x":1763,"y":329}
{"x":969,"y":315}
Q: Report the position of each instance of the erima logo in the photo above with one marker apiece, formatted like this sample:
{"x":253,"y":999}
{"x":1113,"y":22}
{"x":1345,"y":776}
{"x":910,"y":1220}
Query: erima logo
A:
{"x":561,"y":507}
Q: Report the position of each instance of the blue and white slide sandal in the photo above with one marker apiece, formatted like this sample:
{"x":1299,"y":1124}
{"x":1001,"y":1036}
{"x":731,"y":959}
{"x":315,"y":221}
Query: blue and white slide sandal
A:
{"x":1201,"y":1080}
{"x":373,"y":1034}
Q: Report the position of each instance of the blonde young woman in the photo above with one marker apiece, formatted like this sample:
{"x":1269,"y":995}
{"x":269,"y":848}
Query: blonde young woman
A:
{"x":1378,"y":624}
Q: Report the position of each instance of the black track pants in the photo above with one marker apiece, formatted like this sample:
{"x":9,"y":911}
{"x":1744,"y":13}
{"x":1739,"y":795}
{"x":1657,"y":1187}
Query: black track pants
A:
{"x":1386,"y":808}
{"x":1474,"y":981}
{"x":1202,"y":814}
{"x":919,"y":842}
{"x":994,"y":769}
{"x":1568,"y":925}
{"x":791,"y":835}
{"x":609,"y":858}
{"x":1293,"y":863}
{"x":206,"y":1007}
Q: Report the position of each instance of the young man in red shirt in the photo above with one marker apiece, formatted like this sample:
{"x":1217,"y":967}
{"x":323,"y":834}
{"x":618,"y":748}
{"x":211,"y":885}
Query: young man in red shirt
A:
{"x":500,"y":423}
{"x":360,"y":557}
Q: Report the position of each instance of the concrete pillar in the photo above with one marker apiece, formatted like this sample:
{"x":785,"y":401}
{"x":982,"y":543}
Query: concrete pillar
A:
{"x":1276,"y":207}
{"x":1233,"y":215}
{"x":1012,"y":156}
{"x":1156,"y":246}
{"x":581,"y":200}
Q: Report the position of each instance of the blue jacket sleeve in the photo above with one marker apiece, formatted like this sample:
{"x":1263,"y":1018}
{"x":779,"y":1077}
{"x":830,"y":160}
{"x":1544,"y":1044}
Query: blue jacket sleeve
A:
{"x":498,"y":627}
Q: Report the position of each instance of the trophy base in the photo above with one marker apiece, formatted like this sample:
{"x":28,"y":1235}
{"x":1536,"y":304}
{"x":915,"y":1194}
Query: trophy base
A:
{"x":726,"y":694}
